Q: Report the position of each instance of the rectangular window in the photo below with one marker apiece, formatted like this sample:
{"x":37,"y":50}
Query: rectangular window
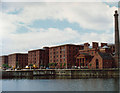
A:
{"x":60,"y":56}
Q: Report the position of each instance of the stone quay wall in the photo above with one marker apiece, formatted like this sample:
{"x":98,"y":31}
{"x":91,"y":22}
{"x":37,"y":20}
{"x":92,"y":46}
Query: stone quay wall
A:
{"x":62,"y":72}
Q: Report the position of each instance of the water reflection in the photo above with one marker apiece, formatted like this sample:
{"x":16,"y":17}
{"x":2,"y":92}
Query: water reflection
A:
{"x":58,"y":77}
{"x":57,"y":83}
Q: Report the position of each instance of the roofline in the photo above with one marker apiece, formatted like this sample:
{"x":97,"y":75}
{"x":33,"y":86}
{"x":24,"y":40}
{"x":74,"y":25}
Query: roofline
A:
{"x":65,"y":45}
{"x":36,"y":50}
{"x":18,"y":54}
{"x":104,"y":53}
{"x":4,"y":56}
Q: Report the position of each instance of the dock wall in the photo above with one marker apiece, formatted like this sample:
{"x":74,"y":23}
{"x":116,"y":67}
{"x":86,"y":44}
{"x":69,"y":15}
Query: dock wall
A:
{"x":62,"y":72}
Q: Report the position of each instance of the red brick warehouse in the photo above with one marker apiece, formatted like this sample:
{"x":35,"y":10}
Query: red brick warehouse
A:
{"x":39,"y":57}
{"x":63,"y":55}
{"x":3,"y":60}
{"x":18,"y":60}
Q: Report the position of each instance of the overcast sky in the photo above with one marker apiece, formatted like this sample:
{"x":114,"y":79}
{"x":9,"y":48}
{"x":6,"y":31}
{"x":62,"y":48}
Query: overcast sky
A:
{"x":26,"y":26}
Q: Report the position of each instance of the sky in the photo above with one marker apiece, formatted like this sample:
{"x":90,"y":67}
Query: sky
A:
{"x":31,"y":25}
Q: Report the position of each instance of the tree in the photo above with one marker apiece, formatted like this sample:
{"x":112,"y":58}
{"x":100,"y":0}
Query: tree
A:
{"x":5,"y":66}
{"x":60,"y":65}
{"x":64,"y":64}
{"x":50,"y":64}
{"x":17,"y":64}
{"x":31,"y":65}
{"x":55,"y":64}
{"x":90,"y":65}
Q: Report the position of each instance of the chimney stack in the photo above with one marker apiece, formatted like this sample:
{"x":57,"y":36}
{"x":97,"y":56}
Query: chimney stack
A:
{"x":116,"y":39}
{"x":103,"y":44}
{"x":95,"y":45}
{"x":86,"y":46}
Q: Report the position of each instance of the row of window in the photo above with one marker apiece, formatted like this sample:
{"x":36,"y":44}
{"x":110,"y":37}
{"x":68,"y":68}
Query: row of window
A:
{"x":58,"y":56}
{"x":61,"y":60}
{"x":63,"y":48}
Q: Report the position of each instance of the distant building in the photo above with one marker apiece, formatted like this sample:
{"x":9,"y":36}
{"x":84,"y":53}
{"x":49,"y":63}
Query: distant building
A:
{"x":18,"y":60}
{"x":101,"y":61}
{"x":3,"y":60}
{"x":70,"y":55}
{"x":95,"y":57}
{"x":39,"y":57}
{"x":63,"y":56}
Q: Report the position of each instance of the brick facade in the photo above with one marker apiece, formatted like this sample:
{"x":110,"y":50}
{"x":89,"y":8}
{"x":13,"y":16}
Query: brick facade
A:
{"x":64,"y":55}
{"x":3,"y":60}
{"x":101,"y":61}
{"x":39,"y":58}
{"x":95,"y":57}
{"x":18,"y":60}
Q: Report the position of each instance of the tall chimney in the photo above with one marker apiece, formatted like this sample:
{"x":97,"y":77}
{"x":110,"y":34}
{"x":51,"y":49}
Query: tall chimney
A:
{"x":116,"y":39}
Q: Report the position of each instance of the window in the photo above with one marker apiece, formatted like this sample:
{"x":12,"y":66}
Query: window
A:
{"x":97,"y":63}
{"x":70,"y":55}
{"x":69,"y":51}
{"x":60,"y":56}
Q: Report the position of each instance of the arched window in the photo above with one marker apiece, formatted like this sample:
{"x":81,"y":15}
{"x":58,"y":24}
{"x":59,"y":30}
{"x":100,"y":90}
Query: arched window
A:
{"x":97,"y":63}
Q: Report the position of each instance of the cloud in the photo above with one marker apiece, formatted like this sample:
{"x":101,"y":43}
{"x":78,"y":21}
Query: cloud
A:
{"x":59,"y":0}
{"x":99,"y":19}
{"x":49,"y":37}
{"x":96,"y":16}
{"x":43,"y":37}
